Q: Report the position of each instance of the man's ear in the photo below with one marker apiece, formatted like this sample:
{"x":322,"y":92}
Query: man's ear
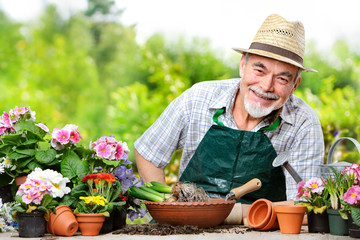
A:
{"x":296,"y":85}
{"x":241,"y":66}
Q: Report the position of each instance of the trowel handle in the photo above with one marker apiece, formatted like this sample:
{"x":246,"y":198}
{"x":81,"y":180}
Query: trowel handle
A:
{"x":248,"y":187}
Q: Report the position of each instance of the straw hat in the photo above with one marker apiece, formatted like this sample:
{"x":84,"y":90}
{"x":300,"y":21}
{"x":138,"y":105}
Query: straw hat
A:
{"x":280,"y":39}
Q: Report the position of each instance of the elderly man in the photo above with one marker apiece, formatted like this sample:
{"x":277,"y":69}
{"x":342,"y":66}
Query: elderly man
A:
{"x":232,"y":130}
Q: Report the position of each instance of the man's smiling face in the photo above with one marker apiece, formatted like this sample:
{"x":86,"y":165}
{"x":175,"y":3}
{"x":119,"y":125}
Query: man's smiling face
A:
{"x":266,"y":84}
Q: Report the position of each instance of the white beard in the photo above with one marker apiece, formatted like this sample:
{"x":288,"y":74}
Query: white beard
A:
{"x":256,"y":110}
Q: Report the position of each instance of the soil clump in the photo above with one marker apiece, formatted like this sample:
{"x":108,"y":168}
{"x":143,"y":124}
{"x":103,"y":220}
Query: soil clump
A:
{"x":164,"y":229}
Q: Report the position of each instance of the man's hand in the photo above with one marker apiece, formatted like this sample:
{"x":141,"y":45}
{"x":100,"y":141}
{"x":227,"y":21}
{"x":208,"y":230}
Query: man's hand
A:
{"x":148,"y":171}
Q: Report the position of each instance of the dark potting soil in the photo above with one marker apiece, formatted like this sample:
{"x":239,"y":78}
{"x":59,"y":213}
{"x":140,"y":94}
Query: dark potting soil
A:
{"x":163,"y":229}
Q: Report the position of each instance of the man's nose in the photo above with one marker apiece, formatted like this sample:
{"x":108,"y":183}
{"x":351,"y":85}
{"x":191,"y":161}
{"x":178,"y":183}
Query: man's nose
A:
{"x":267,"y":83}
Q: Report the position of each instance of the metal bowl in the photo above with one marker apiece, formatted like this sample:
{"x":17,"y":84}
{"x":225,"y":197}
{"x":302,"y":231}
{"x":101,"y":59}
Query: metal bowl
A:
{"x":200,"y":214}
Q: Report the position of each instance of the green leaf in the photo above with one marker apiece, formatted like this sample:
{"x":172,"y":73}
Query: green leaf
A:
{"x":31,"y":127}
{"x":70,"y":164}
{"x":46,"y":200}
{"x":19,"y":208}
{"x":111,"y":162}
{"x":41,"y":208}
{"x":12,"y":139}
{"x":14,"y":155}
{"x":82,"y":169}
{"x":355,"y":214}
{"x":5,"y":148}
{"x":28,"y":152}
{"x":32,"y":165}
{"x":117,"y":192}
{"x":30,"y":141}
{"x":23,"y":162}
{"x":46,"y":156}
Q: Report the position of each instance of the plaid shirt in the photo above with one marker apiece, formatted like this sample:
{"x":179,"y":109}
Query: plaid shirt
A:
{"x":186,"y":120}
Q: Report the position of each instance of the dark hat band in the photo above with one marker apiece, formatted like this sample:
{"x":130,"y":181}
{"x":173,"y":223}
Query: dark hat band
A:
{"x":277,"y":50}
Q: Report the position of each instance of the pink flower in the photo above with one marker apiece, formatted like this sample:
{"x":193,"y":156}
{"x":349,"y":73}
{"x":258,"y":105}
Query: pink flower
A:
{"x":2,"y":130}
{"x":20,"y":110}
{"x":353,"y":171}
{"x":352,"y":196}
{"x":103,"y":150}
{"x":300,"y":191}
{"x":56,"y":145}
{"x":62,"y":136}
{"x":6,"y":120}
{"x":43,"y":127}
{"x":119,"y":152}
{"x":315,"y":185}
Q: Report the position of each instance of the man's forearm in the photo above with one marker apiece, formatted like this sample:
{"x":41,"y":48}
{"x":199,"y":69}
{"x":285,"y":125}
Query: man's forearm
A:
{"x":148,"y":171}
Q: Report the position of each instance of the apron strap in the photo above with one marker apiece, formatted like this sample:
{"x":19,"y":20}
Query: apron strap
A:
{"x":272,"y":126}
{"x":269,"y":128}
{"x":217,"y":115}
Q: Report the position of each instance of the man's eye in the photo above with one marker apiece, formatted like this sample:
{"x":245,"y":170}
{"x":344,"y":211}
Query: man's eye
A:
{"x":283,"y":80}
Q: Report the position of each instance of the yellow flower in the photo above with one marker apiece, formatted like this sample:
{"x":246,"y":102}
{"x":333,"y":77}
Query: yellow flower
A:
{"x":99,"y":200}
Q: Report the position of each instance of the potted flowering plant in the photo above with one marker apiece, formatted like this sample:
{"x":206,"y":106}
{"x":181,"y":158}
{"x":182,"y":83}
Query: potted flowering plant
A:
{"x":100,"y":200}
{"x":338,"y":183}
{"x":38,"y":197}
{"x":20,"y":138}
{"x":314,"y":196}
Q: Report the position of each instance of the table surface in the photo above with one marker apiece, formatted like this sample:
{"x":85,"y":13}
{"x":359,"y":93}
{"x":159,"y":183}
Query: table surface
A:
{"x":250,"y":235}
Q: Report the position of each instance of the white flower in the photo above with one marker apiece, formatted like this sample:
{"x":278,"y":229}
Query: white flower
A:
{"x":7,"y":162}
{"x":53,"y":178}
{"x":125,"y":147}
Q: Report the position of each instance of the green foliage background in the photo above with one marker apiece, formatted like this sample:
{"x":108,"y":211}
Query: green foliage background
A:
{"x":89,"y":70}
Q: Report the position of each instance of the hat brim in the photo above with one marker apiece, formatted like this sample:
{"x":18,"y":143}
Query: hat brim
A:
{"x":274,"y":56}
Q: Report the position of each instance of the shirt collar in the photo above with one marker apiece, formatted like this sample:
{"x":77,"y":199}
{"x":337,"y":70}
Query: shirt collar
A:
{"x":226,"y":98}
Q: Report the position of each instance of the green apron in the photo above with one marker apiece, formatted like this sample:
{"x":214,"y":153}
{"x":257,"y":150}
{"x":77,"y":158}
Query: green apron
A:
{"x":227,"y":158}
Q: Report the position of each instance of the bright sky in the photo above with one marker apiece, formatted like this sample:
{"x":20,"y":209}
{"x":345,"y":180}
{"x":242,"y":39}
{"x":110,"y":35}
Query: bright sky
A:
{"x":226,"y":23}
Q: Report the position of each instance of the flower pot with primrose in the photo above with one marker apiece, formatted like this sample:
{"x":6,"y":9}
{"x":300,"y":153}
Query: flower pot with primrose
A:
{"x":90,"y":214}
{"x":340,"y":185}
{"x":314,"y":196}
{"x":34,"y":201}
{"x":352,"y":207}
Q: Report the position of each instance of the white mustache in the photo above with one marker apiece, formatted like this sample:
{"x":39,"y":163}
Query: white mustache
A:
{"x":260,"y":92}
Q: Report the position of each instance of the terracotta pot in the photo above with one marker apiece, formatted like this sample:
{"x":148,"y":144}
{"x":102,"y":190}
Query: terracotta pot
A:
{"x":290,"y":218}
{"x":90,"y":223}
{"x":63,"y":223}
{"x":261,"y":215}
{"x":20,"y":180}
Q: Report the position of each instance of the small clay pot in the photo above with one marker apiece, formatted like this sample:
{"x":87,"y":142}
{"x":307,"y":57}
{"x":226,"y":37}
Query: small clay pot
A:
{"x":261,"y":215}
{"x":63,"y":223}
{"x":20,"y":180}
{"x":90,"y":223}
{"x":290,"y":218}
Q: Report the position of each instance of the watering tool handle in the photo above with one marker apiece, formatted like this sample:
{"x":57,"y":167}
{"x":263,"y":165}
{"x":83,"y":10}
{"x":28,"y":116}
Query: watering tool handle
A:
{"x":332,"y":148}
